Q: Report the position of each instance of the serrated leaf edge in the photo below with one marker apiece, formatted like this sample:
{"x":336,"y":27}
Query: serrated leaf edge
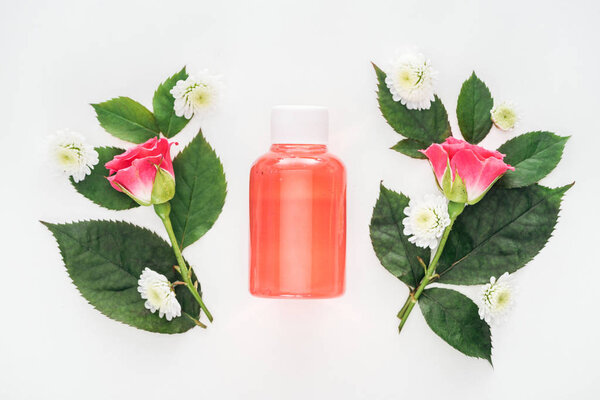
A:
{"x":48,"y":224}
{"x":561,"y":190}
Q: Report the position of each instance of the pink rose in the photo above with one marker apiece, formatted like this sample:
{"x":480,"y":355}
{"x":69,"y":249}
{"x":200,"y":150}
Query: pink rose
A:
{"x":145,"y":172}
{"x":464,"y":171}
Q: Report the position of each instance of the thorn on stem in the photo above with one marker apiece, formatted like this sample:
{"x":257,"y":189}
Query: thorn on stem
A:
{"x":422,"y":263}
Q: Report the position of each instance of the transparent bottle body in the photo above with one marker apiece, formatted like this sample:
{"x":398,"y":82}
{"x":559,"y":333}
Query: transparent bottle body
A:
{"x":297,"y":223}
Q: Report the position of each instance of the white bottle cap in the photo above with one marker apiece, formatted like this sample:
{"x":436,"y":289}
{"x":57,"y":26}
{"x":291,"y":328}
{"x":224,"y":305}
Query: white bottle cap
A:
{"x":299,"y":125}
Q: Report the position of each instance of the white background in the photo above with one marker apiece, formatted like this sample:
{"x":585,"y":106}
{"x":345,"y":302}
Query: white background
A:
{"x":59,"y":56}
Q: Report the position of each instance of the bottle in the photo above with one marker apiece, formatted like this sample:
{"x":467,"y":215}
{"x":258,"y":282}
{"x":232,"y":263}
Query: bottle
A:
{"x":298,"y":210}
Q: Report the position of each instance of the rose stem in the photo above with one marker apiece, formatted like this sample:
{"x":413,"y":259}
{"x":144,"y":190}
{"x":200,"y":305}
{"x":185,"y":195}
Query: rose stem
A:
{"x":163,"y":210}
{"x":454,"y":209}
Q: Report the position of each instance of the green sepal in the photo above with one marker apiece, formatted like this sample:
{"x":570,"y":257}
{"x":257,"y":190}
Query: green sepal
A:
{"x":454,"y":190}
{"x":163,"y":188}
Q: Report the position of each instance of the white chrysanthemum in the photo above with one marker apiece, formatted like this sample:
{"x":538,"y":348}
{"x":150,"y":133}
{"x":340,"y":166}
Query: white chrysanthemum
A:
{"x":197,"y":95}
{"x":496,"y":299}
{"x":72,"y":154}
{"x":410,"y":79}
{"x":505,"y":116}
{"x":158,"y":292}
{"x":426,"y":220}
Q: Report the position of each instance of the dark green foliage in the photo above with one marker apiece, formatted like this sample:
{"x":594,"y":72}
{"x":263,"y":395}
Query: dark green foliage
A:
{"x":105,"y":260}
{"x":96,"y":187}
{"x":455,"y":318}
{"x":200,"y":191}
{"x":501,"y":233}
{"x":424,"y":126}
{"x":392,"y":247}
{"x":126,"y":119}
{"x":163,"y":102}
{"x":411,"y":148}
{"x":473,"y":110}
{"x":534,"y":155}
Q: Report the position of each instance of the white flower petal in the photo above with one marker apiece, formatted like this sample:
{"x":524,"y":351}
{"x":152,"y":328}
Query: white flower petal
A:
{"x":197,"y":95}
{"x":156,"y":289}
{"x":496,"y":299}
{"x":72,"y":154}
{"x":411,"y":80}
{"x":426,"y":220}
{"x":505,"y":116}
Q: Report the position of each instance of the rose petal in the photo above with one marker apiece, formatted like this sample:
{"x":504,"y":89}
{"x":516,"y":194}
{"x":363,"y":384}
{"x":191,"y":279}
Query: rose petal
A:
{"x":476,"y":174}
{"x":124,"y":160}
{"x":438,"y":157}
{"x":138,"y":179}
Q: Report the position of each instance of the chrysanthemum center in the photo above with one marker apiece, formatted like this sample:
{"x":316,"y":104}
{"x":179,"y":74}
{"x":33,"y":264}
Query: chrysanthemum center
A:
{"x":426,"y":219}
{"x":198,"y":95}
{"x":67,"y":156}
{"x":503,"y":299}
{"x":507,"y":115}
{"x":409,"y":78}
{"x":155,"y":296}
{"x":201,"y":96}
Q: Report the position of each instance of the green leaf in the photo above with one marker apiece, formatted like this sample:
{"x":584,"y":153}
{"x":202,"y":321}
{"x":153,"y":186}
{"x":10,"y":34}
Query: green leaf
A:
{"x":426,"y":126}
{"x":126,"y":119}
{"x":455,"y":318}
{"x":97,"y":188}
{"x":105,"y":260}
{"x":501,"y":233}
{"x":395,"y":252}
{"x":200,"y":191}
{"x":534,"y":155}
{"x":474,"y":110}
{"x":163,"y":105}
{"x":410,"y":148}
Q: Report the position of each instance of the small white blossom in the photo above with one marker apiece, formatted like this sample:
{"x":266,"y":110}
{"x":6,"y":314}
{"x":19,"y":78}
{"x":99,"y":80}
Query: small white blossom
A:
{"x":197,"y":95}
{"x":426,"y":220}
{"x":158,"y":292}
{"x":72,"y":154}
{"x":505,"y":116}
{"x":411,"y":80}
{"x":496,"y":299}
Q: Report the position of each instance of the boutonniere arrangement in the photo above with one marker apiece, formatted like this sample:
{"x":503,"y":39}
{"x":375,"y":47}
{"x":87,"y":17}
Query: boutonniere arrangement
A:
{"x":489,"y":218}
{"x":127,"y":272}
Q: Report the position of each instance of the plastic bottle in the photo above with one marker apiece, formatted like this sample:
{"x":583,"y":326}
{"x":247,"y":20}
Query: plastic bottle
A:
{"x":298,"y":210}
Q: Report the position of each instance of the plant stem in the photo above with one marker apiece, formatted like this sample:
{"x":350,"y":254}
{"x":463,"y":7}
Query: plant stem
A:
{"x":163,"y":210}
{"x":404,"y":307}
{"x":454,"y":210}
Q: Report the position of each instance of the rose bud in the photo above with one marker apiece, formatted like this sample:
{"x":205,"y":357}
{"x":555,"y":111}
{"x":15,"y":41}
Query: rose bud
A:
{"x":144,"y":173}
{"x":464,"y":171}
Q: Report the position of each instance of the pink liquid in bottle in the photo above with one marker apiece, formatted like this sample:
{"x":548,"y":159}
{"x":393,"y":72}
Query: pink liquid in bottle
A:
{"x":298,"y":210}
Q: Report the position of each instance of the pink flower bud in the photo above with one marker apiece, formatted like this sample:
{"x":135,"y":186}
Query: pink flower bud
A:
{"x":464,"y":171}
{"x":145,"y":172}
